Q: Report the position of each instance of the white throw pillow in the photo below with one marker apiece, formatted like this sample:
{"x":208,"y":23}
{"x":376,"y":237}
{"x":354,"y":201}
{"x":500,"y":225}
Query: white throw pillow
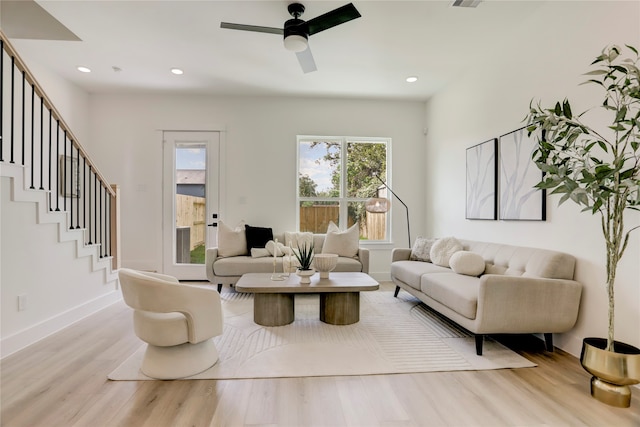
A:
{"x":231,"y":242}
{"x":468,"y":263}
{"x":293,"y":239}
{"x":421,"y":250}
{"x":260,"y":253}
{"x":277,"y":248}
{"x":344,"y":243}
{"x":443,"y":249}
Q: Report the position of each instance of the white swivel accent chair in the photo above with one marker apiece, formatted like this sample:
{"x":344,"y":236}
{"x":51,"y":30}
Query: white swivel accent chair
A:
{"x":177,"y":321}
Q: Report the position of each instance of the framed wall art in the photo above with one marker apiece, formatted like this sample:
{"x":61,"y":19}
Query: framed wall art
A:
{"x":481,"y":171}
{"x":69,"y":176}
{"x":519,"y":199}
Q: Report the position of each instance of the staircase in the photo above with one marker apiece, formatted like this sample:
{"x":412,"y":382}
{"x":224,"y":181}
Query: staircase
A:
{"x":44,"y":167}
{"x":22,"y":193}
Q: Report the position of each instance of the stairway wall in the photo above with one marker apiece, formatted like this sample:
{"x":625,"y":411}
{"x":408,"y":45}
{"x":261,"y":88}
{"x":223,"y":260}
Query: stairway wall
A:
{"x":60,"y":287}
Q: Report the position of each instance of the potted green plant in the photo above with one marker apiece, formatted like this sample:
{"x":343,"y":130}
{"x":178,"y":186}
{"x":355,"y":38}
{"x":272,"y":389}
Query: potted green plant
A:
{"x":304,"y":256}
{"x":599,"y":169}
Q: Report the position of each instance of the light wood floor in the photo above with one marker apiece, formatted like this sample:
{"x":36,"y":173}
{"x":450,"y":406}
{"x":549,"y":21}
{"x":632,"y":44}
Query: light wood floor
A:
{"x":61,"y":381}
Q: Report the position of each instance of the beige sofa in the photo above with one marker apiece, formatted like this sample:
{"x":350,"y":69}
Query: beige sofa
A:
{"x":227,"y":270}
{"x":522,"y":290}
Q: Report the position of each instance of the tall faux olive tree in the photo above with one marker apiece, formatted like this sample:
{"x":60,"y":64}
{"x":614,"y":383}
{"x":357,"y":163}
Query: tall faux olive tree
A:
{"x":597,"y":169}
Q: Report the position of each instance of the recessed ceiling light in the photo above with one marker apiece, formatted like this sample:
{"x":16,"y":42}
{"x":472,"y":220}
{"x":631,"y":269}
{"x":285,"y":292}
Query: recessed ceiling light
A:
{"x":177,"y":71}
{"x":412,"y":79}
{"x":84,"y":69}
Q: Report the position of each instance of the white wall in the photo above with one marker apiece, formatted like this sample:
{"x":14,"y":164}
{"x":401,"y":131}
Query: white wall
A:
{"x":259,"y":157}
{"x":489,"y":102}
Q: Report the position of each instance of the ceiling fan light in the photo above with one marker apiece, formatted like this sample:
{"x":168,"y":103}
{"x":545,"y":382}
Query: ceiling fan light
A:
{"x":295,"y":43}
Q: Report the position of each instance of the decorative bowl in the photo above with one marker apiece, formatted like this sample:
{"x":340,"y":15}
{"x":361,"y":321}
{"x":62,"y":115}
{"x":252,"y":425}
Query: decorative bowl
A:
{"x":324,"y":263}
{"x":305,"y":275}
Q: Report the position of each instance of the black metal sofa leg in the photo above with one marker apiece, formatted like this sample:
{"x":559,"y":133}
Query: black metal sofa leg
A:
{"x":219,"y":287}
{"x":479,"y":341}
{"x":548,"y":342}
{"x":395,"y":294}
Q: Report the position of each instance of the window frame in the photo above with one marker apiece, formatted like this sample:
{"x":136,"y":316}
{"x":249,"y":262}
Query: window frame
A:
{"x":343,"y":200}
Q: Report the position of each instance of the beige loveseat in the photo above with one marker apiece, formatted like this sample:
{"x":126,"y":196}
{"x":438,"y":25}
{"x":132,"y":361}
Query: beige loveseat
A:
{"x":227,"y":270}
{"x":522,"y":290}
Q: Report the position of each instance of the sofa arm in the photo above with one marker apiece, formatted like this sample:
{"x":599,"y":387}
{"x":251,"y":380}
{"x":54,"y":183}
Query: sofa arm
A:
{"x":210,"y":256}
{"x":400,"y":254}
{"x":363,"y":255}
{"x":515,"y":304}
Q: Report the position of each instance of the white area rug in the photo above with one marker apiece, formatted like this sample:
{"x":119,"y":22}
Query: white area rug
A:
{"x":394,"y":335}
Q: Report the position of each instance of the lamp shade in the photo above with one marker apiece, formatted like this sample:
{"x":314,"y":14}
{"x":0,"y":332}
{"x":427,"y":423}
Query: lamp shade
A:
{"x":377,"y":205}
{"x":295,"y":43}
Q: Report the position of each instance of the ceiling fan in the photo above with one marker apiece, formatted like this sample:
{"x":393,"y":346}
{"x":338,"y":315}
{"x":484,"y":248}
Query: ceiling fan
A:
{"x":296,"y":32}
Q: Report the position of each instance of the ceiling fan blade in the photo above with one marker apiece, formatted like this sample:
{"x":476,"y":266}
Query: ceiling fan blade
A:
{"x":331,"y":19}
{"x":305,"y":58}
{"x":255,"y":28}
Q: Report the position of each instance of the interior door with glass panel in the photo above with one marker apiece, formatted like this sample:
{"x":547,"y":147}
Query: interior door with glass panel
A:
{"x":190,"y":199}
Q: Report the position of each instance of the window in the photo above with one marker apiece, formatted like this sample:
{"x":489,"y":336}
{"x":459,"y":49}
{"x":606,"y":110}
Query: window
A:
{"x":326,"y":194}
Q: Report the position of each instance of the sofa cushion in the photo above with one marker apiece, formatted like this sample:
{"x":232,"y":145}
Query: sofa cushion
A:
{"x":410,"y":272}
{"x":348,"y":265}
{"x":231,"y":242}
{"x":456,"y":291}
{"x":239,"y":265}
{"x":421,"y":250}
{"x":443,"y":249}
{"x":343,"y":243}
{"x":465,"y":262}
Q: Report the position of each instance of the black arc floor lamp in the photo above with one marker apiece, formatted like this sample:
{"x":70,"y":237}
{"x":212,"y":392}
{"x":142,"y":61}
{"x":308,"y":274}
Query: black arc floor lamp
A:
{"x":382,"y":205}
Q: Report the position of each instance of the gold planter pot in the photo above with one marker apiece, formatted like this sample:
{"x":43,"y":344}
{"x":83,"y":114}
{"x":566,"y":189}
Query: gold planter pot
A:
{"x":613,"y":371}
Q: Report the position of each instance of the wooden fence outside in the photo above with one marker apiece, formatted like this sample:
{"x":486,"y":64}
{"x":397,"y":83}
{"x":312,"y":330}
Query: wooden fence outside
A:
{"x":316,"y":220}
{"x":191,"y":212}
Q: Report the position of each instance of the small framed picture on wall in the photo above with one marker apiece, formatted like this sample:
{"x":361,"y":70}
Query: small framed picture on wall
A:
{"x":69,"y":176}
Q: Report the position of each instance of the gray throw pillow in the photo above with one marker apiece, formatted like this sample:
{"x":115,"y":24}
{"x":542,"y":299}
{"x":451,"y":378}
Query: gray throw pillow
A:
{"x":421,"y":250}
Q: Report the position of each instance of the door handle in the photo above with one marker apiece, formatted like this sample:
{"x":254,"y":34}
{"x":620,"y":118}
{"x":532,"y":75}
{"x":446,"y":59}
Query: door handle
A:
{"x":213,"y":224}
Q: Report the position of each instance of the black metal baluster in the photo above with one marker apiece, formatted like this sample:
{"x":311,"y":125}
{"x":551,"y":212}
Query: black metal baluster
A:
{"x":84,"y":194}
{"x":1,"y":99}
{"x":11,"y":128}
{"x":41,"y":143}
{"x":89,"y":206}
{"x":58,"y":165}
{"x":24,"y":78}
{"x":100,"y":228}
{"x":107,"y":224}
{"x":77,"y":189}
{"x":95,"y":208}
{"x":64,"y":172}
{"x":33,"y":139}
{"x":72,"y":190}
{"x":50,"y":152}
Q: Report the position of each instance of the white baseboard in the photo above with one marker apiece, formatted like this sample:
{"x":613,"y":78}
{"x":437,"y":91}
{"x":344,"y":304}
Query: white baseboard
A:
{"x":35,"y":333}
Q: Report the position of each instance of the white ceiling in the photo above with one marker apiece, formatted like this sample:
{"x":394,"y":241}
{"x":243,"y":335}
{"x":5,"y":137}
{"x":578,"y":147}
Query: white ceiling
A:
{"x":369,"y":57}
